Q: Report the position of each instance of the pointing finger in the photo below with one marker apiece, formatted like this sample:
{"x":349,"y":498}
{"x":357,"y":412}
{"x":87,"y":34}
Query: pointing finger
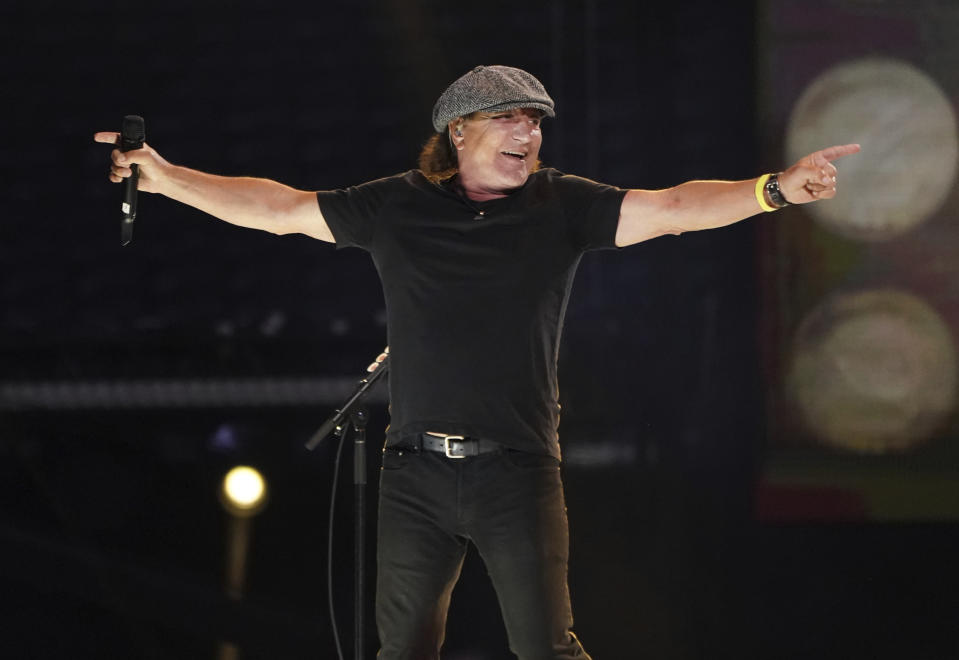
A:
{"x":834,"y":153}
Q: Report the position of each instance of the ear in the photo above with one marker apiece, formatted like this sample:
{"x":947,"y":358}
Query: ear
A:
{"x":456,"y":133}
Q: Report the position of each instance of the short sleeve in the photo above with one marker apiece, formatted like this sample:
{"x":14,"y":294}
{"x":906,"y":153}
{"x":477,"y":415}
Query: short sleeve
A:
{"x":352,"y":213}
{"x":591,"y":211}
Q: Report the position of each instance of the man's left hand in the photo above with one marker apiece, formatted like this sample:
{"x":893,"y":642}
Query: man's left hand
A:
{"x":814,"y":176}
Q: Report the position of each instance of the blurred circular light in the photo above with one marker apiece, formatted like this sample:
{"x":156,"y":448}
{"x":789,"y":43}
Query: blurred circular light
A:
{"x":907,"y":129}
{"x":873,"y":372}
{"x":243,"y":491}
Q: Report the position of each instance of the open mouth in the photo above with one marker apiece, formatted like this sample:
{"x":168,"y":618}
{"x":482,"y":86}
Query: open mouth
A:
{"x":514,"y":154}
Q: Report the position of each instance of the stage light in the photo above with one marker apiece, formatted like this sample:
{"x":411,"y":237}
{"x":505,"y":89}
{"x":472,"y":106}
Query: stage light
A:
{"x":907,"y":128}
{"x":874,"y":372}
{"x":243,"y":492}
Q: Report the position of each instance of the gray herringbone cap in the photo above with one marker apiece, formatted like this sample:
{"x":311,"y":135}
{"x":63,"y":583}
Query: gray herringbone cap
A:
{"x":490,"y":88}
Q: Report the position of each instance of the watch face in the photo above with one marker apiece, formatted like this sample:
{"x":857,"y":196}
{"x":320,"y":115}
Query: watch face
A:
{"x":775,"y":194}
{"x":907,"y":129}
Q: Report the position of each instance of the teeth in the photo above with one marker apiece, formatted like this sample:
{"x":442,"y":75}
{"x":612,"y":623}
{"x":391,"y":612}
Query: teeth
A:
{"x":515,"y":154}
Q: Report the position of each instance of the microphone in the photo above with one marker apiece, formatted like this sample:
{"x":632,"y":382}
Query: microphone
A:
{"x":131,"y":137}
{"x":339,"y":417}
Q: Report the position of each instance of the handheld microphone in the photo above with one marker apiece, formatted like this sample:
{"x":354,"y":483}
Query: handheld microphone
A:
{"x":131,"y":137}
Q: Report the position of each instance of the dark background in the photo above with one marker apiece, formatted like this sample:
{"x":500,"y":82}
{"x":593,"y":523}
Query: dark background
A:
{"x":133,"y":378}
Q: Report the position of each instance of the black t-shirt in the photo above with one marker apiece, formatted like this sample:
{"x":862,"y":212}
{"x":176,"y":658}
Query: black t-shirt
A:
{"x":475,"y":296}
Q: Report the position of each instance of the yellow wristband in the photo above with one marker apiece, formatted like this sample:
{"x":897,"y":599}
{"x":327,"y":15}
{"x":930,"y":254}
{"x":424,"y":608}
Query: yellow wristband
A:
{"x":760,"y":185}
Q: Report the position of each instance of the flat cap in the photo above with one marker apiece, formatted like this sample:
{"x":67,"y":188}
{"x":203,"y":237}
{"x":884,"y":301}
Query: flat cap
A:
{"x":490,"y":88}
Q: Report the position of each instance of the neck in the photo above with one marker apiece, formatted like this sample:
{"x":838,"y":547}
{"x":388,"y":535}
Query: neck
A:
{"x":477,"y":193}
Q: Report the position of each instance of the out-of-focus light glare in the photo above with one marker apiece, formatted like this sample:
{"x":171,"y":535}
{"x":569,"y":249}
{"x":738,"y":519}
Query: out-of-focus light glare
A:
{"x":907,"y":128}
{"x":243,"y":491}
{"x":874,"y":371}
{"x":224,"y":439}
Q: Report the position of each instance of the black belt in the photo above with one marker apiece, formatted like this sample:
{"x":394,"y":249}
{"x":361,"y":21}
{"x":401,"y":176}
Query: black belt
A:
{"x":453,"y":446}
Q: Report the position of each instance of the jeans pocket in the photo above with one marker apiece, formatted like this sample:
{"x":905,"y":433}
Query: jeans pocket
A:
{"x":395,"y":459}
{"x":526,"y":461}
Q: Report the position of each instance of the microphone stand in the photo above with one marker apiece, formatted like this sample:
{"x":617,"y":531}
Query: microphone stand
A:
{"x":337,"y":423}
{"x":359,"y":418}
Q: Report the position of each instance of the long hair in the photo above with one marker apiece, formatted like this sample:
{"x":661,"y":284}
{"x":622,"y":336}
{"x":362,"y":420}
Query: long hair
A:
{"x":437,"y":158}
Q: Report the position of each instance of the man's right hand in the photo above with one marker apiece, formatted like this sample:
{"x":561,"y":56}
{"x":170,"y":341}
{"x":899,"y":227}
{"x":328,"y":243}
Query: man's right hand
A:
{"x":244,"y":201}
{"x":152,"y":165}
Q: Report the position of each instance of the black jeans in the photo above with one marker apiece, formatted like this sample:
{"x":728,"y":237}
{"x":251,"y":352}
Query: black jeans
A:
{"x":511,"y":506}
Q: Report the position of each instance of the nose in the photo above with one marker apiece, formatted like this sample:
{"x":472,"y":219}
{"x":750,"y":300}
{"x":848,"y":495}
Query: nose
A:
{"x":523,"y":131}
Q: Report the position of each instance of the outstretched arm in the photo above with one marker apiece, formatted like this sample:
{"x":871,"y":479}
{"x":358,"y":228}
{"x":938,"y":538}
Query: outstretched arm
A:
{"x":697,"y":205}
{"x":244,"y":201}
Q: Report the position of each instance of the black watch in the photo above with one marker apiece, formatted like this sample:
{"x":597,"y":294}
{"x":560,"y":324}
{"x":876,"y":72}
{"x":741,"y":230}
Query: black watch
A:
{"x":774,"y":193}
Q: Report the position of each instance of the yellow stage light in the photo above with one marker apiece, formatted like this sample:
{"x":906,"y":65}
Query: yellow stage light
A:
{"x":243,"y":492}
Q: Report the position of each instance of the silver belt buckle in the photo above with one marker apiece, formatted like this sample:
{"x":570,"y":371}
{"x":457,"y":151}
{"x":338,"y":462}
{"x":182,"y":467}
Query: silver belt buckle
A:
{"x":449,"y":450}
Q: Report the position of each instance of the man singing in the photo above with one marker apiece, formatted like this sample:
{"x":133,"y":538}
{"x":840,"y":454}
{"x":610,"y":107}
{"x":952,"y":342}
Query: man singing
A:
{"x":476,"y":251}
